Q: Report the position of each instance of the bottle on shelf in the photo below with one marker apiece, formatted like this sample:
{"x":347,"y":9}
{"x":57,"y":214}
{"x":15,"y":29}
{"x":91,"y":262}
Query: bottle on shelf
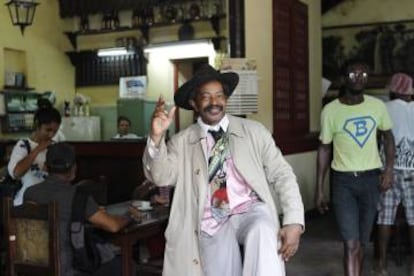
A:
{"x":66,"y":109}
{"x":87,"y":110}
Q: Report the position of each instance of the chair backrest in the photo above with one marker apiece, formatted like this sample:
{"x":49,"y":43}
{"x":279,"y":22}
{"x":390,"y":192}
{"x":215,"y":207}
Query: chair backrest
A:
{"x":97,"y":188}
{"x":32,"y":236}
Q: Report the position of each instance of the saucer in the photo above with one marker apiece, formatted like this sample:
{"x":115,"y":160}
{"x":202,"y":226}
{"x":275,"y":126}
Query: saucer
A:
{"x":138,"y":203}
{"x":144,"y":208}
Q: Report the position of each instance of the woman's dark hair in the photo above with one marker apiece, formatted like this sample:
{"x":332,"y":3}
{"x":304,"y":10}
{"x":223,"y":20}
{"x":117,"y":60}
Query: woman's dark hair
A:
{"x":124,"y":118}
{"x":46,"y":115}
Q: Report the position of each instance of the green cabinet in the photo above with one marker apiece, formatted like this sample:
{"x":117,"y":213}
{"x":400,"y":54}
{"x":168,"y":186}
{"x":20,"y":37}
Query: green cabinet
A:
{"x":19,"y":108}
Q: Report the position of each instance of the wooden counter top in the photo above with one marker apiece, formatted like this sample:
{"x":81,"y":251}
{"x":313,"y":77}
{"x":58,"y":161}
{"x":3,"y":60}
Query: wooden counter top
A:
{"x":110,"y":148}
{"x":119,"y":162}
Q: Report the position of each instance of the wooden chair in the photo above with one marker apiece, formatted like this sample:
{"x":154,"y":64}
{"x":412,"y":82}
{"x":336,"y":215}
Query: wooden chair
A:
{"x":98,"y":188}
{"x":32,"y":236}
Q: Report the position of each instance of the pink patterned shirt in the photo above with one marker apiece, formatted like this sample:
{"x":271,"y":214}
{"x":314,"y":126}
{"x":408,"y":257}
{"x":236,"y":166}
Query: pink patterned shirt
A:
{"x":240,"y":195}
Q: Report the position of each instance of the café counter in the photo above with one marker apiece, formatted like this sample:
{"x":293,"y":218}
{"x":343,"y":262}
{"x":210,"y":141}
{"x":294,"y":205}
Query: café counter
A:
{"x":118,"y":162}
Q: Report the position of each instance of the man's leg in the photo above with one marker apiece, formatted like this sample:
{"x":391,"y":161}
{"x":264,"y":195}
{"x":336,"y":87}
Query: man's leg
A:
{"x":220,"y":253}
{"x":345,"y":204}
{"x":384,"y":232}
{"x":407,"y":190}
{"x":412,"y":250}
{"x":257,"y":233}
{"x":368,"y":197}
{"x":387,"y":211}
{"x":353,"y":257}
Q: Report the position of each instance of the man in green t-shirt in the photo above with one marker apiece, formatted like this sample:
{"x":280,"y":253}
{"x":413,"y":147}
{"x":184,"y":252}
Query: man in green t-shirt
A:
{"x":349,"y":127}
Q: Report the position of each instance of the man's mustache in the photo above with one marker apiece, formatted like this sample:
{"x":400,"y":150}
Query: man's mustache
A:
{"x":210,"y":107}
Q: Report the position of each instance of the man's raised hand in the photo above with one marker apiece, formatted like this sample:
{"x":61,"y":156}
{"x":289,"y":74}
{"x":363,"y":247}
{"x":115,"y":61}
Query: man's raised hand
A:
{"x":161,"y":120}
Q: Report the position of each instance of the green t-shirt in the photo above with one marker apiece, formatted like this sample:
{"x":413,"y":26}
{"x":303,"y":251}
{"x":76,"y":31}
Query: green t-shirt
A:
{"x":353,"y":131}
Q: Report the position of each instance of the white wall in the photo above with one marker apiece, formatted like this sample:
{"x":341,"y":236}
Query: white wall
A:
{"x":259,"y":46}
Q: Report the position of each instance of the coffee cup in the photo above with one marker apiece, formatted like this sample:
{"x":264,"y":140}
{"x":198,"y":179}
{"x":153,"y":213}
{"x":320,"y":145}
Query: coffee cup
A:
{"x":145,"y":204}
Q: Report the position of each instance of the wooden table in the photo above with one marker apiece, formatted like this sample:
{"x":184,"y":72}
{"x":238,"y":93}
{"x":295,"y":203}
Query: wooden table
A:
{"x":154,"y":222}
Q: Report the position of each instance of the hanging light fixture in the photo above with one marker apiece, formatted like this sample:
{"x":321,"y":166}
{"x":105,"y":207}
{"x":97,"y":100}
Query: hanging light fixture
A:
{"x":22,"y":12}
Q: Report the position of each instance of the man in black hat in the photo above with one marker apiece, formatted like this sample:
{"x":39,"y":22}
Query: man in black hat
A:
{"x":61,"y":166}
{"x":229,"y":176}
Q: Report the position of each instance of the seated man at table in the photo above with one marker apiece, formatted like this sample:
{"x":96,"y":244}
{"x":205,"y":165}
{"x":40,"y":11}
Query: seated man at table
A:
{"x":61,"y":165}
{"x":153,"y":193}
{"x":158,"y":196}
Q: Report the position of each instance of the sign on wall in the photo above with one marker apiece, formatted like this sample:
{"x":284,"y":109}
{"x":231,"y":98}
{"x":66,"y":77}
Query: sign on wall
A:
{"x":244,"y":98}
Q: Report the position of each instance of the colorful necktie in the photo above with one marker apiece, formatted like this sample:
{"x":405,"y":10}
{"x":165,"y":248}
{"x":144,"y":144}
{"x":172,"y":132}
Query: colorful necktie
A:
{"x":217,"y":176}
{"x":216,"y":134}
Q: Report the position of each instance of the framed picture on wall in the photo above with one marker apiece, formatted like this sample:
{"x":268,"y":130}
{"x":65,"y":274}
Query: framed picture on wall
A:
{"x":132,"y":87}
{"x":387,"y":48}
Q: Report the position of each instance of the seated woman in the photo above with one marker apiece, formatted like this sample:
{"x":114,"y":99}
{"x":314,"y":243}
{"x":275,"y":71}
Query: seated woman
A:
{"x":124,"y":123}
{"x":28,"y":155}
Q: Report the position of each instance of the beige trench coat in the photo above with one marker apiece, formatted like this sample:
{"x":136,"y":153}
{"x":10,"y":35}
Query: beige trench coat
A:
{"x":183,"y":164}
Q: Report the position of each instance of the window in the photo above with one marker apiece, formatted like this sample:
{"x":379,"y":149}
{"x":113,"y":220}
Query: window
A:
{"x":290,"y":77}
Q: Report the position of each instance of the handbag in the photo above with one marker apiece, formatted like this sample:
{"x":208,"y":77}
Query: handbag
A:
{"x":8,"y":185}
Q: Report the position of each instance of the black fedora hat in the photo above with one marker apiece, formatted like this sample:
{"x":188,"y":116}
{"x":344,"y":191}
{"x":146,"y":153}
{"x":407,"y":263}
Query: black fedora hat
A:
{"x":204,"y":74}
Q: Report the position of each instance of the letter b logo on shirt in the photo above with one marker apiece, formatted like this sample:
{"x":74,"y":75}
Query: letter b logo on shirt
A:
{"x":360,"y":129}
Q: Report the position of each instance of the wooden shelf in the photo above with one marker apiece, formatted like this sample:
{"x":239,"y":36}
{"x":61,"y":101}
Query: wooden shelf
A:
{"x":145,"y":28}
{"x":18,"y":118}
{"x":16,"y":89}
{"x":92,"y":70}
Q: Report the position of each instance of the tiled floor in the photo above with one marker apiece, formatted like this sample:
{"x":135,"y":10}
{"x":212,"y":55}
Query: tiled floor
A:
{"x":321,"y":251}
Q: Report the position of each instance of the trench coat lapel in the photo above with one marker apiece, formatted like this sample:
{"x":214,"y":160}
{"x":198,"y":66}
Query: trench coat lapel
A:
{"x":238,"y":150}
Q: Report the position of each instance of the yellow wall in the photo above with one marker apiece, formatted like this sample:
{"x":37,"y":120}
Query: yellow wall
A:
{"x":100,"y":95}
{"x":368,"y":11}
{"x":47,"y":66}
